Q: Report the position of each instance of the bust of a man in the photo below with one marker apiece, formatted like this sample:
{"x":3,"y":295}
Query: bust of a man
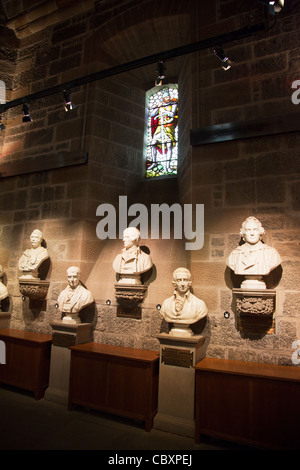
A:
{"x":74,"y":297}
{"x":253,"y":258}
{"x":183,"y":308}
{"x":33,"y":257}
{"x":132,"y":261}
{"x":3,"y":289}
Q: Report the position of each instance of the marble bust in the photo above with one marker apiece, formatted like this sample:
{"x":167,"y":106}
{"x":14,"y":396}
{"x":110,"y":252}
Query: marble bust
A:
{"x":3,"y":289}
{"x":183,"y":308}
{"x":132,"y":261}
{"x":253,"y":259}
{"x":74,"y":297}
{"x":33,"y":257}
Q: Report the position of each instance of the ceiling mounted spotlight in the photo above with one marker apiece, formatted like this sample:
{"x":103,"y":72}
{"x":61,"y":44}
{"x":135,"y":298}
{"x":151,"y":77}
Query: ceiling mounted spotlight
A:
{"x":160,"y":73}
{"x":26,"y":112}
{"x":68,"y":102}
{"x":226,"y":63}
{"x":275,"y":6}
{"x":2,"y":126}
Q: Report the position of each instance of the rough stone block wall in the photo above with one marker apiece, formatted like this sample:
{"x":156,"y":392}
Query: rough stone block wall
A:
{"x":108,"y":124}
{"x":257,"y":176}
{"x":254,"y":176}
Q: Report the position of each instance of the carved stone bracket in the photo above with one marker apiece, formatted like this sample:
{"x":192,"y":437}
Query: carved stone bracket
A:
{"x":33,"y":288}
{"x":258,"y":302}
{"x":130,"y":294}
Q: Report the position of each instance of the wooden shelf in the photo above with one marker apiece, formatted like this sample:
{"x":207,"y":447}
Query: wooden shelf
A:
{"x":27,"y":360}
{"x":117,"y":380}
{"x":250,"y":403}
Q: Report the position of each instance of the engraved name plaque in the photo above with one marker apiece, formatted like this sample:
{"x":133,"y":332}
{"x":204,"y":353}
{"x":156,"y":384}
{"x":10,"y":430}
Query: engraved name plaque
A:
{"x":177,"y":357}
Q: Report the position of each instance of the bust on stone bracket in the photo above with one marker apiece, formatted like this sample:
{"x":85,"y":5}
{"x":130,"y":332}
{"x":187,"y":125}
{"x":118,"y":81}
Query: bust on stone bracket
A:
{"x":30,"y":264}
{"x":253,"y":261}
{"x":4,"y":303}
{"x":129,"y":265}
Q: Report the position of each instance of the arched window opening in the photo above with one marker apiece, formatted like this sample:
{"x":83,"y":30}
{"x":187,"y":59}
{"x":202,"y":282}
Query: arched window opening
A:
{"x":161,"y":139}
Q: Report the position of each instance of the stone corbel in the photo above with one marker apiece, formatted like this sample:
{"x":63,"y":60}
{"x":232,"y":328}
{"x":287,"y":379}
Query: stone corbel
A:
{"x":130,"y":294}
{"x":254,"y":302}
{"x":34,"y":288}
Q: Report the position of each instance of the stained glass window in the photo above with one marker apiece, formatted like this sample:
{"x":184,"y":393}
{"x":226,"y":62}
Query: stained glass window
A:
{"x":162,"y":131}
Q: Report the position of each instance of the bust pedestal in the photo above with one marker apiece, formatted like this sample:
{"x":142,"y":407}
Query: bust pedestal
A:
{"x":64,"y":335}
{"x":181,"y":329}
{"x":130,"y":294}
{"x":178,"y":356}
{"x":255,"y":309}
{"x":33,"y":288}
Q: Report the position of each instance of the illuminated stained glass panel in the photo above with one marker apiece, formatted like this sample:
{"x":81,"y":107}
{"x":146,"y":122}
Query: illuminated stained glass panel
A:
{"x":162,"y":131}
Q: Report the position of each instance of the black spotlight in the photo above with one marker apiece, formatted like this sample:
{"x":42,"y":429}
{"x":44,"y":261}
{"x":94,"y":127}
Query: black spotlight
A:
{"x":161,"y":70}
{"x":2,"y":126}
{"x":226,"y":62}
{"x":275,"y":6}
{"x":26,"y":112}
{"x":160,"y":73}
{"x":68,"y":102}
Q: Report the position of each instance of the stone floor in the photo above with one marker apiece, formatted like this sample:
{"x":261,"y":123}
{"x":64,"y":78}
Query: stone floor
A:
{"x":28,"y":424}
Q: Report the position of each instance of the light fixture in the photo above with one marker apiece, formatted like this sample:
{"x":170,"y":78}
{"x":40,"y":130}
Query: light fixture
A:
{"x":244,"y":32}
{"x":68,"y":102}
{"x":226,"y":62}
{"x":26,"y":112}
{"x":2,"y":126}
{"x":160,"y":73}
{"x":275,"y":6}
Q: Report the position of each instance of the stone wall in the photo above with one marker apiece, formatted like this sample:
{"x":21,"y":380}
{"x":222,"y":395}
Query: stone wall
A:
{"x":257,"y":176}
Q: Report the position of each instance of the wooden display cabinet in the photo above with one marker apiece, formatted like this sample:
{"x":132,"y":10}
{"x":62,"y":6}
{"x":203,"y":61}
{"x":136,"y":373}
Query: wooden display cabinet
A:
{"x":117,"y":380}
{"x":27,"y":360}
{"x":249,"y":403}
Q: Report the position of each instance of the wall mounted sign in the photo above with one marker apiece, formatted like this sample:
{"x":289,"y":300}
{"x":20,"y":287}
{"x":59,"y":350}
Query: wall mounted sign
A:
{"x":177,"y":357}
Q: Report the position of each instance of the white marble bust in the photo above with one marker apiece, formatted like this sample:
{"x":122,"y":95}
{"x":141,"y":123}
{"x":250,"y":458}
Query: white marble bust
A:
{"x":74,"y":297}
{"x":33,"y":257}
{"x":132,"y":261}
{"x":253,"y":258}
{"x":3,"y":289}
{"x":183,"y":308}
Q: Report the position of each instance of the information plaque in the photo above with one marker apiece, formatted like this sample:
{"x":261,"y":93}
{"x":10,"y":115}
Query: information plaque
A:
{"x":177,"y":357}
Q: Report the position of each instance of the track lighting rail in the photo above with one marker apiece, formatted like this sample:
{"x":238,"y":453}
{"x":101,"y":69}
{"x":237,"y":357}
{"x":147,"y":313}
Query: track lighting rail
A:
{"x":161,"y":56}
